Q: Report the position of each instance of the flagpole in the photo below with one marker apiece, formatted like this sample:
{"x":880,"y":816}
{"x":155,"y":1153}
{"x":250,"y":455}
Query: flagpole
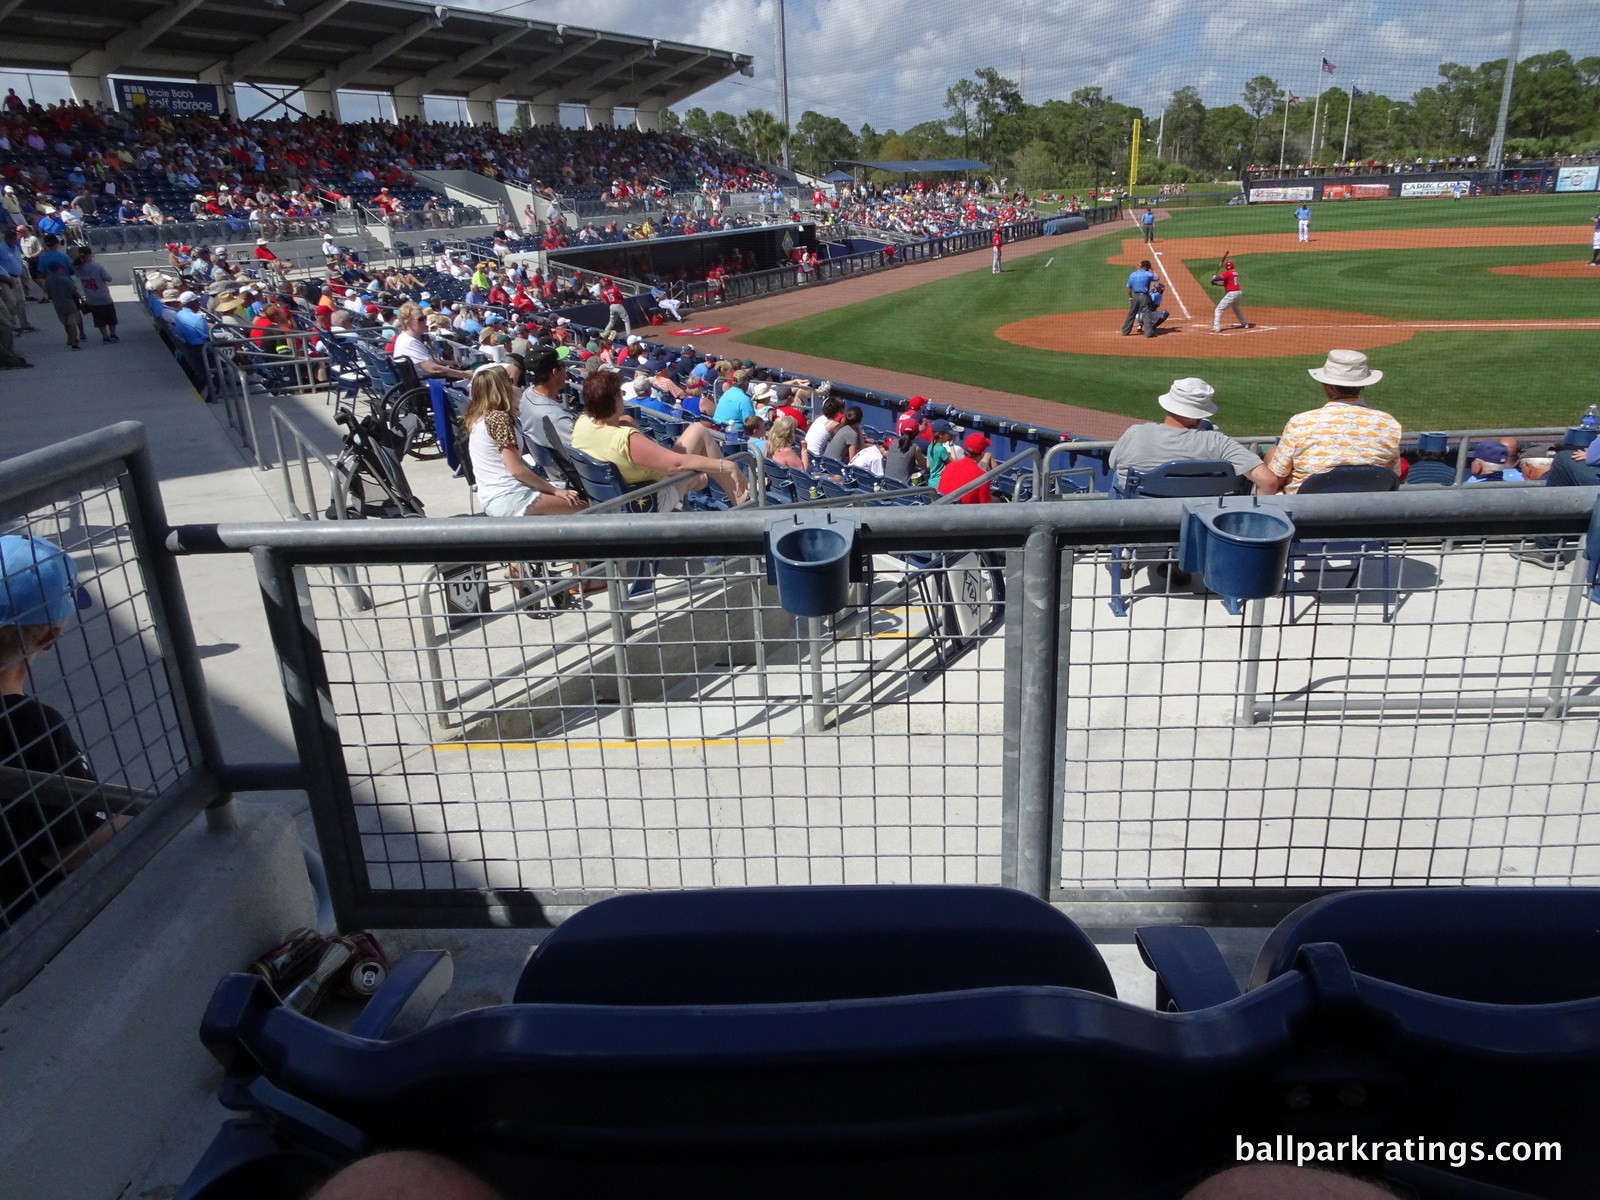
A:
{"x":1350,"y":103}
{"x":1316,"y":109}
{"x":1283,"y":142}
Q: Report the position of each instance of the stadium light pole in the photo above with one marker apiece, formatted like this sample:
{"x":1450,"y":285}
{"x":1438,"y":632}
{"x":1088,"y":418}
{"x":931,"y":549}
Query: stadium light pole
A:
{"x":780,"y":53}
{"x":1497,"y":146}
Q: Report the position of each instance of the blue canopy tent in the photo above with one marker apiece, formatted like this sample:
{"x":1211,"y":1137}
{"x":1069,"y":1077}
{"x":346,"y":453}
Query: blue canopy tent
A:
{"x":839,"y":177}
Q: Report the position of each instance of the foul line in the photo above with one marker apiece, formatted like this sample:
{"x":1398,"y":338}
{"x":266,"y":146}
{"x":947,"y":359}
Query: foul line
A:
{"x":641,"y":744}
{"x":1172,"y":284}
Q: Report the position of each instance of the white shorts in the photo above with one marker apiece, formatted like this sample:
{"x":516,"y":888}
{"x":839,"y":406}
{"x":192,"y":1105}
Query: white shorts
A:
{"x":509,"y":503}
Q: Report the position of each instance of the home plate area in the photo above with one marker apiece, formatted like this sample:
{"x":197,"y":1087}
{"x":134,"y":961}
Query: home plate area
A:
{"x":1274,"y":333}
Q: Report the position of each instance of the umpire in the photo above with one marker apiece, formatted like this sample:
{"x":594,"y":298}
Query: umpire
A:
{"x":1139,"y":300}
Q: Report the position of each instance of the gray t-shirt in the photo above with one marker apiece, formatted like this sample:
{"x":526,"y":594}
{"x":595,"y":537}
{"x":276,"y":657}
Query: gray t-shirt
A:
{"x":841,"y":442}
{"x":1144,"y":447}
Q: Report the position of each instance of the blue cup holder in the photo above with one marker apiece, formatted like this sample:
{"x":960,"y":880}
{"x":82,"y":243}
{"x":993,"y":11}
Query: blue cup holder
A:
{"x":1436,"y":443}
{"x":1241,"y":553}
{"x":1580,"y":437}
{"x":812,"y":560}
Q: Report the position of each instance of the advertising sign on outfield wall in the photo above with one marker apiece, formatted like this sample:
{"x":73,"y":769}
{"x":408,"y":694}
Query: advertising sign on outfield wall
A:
{"x":1355,"y":191}
{"x":1577,"y":179}
{"x":1435,"y":187}
{"x":1278,"y":195}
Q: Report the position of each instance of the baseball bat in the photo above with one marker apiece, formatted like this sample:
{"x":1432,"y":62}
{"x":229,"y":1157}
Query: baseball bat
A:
{"x":1220,"y":261}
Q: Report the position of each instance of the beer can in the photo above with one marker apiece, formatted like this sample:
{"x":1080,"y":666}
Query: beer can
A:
{"x":285,"y":965}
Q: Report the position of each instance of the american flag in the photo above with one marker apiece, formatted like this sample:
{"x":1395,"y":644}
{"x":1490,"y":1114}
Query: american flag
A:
{"x":1327,"y":66}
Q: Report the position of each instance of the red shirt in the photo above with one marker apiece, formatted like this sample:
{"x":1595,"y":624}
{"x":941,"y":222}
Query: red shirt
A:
{"x":995,"y":242}
{"x":1230,"y":280}
{"x":611,"y":294}
{"x":960,"y":472}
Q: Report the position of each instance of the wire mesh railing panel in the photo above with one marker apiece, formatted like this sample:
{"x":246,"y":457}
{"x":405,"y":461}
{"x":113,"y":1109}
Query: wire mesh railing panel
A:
{"x":89,"y":730}
{"x":669,"y":727}
{"x":1407,"y":712}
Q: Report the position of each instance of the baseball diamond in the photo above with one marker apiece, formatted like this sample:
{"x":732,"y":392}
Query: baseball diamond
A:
{"x":1483,"y":311}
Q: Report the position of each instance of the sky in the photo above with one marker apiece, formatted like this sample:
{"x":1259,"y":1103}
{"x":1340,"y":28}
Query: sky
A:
{"x":888,"y":62}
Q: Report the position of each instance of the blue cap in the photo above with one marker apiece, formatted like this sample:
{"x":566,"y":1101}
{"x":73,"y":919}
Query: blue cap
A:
{"x":940,"y":426}
{"x":38,"y":582}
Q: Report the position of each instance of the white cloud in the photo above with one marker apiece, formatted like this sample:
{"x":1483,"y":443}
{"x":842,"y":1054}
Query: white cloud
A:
{"x":888,"y":62}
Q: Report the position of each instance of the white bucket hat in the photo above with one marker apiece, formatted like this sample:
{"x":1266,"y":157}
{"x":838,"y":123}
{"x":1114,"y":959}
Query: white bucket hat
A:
{"x":1190,"y":398}
{"x":1345,"y":368}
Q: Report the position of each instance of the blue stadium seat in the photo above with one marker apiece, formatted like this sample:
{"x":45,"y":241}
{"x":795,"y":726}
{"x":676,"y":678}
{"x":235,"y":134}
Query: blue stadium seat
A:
{"x":1488,"y":945}
{"x":1318,"y":559}
{"x":1171,"y":480}
{"x":786,"y":945}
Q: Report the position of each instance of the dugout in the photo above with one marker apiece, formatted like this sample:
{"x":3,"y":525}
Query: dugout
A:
{"x":763,"y":247}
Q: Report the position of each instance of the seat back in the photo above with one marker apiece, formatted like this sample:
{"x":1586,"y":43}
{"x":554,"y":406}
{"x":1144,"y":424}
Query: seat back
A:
{"x":1180,"y":480}
{"x":793,"y":944}
{"x":601,"y":480}
{"x":1494,"y":945}
{"x":1351,"y":478}
{"x":1427,"y":471}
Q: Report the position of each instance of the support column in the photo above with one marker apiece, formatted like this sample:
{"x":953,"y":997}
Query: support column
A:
{"x":89,"y":88}
{"x":597,"y":117}
{"x":407,"y":105}
{"x":481,"y":112}
{"x":647,"y":120}
{"x":318,"y":100}
{"x":226,"y":100}
{"x":543,"y":114}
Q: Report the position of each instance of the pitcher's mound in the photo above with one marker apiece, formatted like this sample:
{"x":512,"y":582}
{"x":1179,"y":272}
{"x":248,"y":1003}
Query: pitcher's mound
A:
{"x":1276,"y":333}
{"x":1571,"y":269}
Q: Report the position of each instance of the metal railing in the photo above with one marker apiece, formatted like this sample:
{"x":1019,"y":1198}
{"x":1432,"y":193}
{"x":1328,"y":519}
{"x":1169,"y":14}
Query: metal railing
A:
{"x":125,"y":677}
{"x":1415,"y":707}
{"x":754,"y":284}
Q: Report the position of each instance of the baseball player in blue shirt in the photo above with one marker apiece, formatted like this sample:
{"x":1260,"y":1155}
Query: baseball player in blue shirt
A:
{"x":1303,"y":216}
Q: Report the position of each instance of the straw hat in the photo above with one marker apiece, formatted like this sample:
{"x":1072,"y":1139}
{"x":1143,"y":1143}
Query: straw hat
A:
{"x":1345,"y":368}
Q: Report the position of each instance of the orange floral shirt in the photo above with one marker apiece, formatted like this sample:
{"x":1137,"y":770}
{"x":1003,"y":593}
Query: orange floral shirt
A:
{"x":1335,"y":435}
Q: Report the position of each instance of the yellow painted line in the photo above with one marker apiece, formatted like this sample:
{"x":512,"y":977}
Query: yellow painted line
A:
{"x":642,"y":744}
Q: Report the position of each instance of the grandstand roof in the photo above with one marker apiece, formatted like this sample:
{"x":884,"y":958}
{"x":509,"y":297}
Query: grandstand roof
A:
{"x":382,"y":45}
{"x":914,"y":167}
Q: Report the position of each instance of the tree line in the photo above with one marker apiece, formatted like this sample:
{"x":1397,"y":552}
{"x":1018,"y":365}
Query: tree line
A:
{"x":1084,"y":140}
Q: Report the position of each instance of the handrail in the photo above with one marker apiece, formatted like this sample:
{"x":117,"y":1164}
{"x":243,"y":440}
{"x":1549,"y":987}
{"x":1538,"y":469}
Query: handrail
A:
{"x":1031,"y":452}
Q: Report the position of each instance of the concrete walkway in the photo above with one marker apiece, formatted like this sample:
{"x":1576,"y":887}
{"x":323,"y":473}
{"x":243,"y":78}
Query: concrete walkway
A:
{"x":804,"y":302}
{"x":203,"y":478}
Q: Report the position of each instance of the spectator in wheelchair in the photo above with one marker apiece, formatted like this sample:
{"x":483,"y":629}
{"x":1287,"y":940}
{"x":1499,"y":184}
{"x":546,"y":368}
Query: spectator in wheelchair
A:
{"x":412,"y":343}
{"x":507,"y":487}
{"x":605,"y":432}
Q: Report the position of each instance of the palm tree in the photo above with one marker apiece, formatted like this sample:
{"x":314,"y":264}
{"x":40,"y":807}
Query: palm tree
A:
{"x":763,"y":133}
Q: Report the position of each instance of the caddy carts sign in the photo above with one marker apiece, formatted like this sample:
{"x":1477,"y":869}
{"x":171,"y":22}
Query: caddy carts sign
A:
{"x":1435,"y":187}
{"x":177,"y":98}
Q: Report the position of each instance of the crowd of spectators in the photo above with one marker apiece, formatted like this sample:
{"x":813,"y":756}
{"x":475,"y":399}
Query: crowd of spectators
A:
{"x":147,"y":166}
{"x":922,"y":209}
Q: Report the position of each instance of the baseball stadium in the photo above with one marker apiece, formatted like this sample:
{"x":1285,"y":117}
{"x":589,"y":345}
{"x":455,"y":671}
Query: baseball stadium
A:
{"x":488,"y":705}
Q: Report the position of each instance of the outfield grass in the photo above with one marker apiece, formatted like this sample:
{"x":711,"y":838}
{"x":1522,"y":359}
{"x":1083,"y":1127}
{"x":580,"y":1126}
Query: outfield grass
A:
{"x":1437,"y":379}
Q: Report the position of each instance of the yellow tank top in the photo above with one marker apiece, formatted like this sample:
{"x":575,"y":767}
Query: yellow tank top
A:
{"x":609,"y":443}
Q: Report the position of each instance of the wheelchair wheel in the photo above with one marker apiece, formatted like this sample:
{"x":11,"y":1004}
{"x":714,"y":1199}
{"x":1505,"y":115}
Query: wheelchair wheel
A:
{"x":398,"y":401}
